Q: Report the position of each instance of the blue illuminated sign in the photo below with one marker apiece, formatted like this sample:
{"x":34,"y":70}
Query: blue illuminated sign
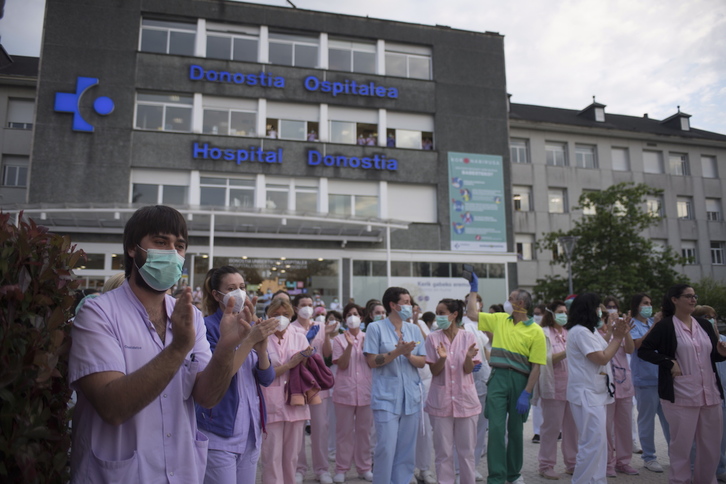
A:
{"x":66,"y":102}
{"x":252,"y":153}
{"x":376,"y":162}
{"x":312,"y":83}
{"x":264,"y":79}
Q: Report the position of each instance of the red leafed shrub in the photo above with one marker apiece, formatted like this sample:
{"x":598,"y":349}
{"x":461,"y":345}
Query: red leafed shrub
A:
{"x":36,"y":296}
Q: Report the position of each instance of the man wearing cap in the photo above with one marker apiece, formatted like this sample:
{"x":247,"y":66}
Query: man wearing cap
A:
{"x":518,"y":348}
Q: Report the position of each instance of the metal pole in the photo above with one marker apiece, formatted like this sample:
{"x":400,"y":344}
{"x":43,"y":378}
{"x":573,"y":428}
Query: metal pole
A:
{"x":569,"y":275}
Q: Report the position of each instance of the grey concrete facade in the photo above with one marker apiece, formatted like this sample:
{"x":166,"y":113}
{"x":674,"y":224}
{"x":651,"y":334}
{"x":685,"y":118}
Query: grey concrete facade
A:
{"x":538,"y":126}
{"x":465,"y":96}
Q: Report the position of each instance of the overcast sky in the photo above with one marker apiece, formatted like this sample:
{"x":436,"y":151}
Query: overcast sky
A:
{"x":636,"y":56}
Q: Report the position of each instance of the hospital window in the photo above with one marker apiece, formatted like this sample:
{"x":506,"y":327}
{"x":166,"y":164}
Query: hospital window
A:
{"x":653,"y":161}
{"x":407,"y":138}
{"x":717,"y":256}
{"x":163,"y":112}
{"x":713,"y":209}
{"x":355,"y":205}
{"x":163,"y":37}
{"x":229,"y":122}
{"x":402,"y":64}
{"x":351,"y":56}
{"x":91,"y":261}
{"x":15,"y":171}
{"x":145,"y":193}
{"x":654,"y":206}
{"x":556,"y":153}
{"x":293,"y":50}
{"x":20,"y":113}
{"x":522,"y":199}
{"x":227,"y":192}
{"x":620,"y":159}
{"x":518,"y":151}
{"x":688,"y":250}
{"x":557,"y":200}
{"x":291,"y":129}
{"x":709,"y":166}
{"x":524,"y":244}
{"x":276,"y":196}
{"x":679,"y":164}
{"x":685,"y":208}
{"x":586,"y":156}
{"x":234,"y":47}
{"x":350,"y":132}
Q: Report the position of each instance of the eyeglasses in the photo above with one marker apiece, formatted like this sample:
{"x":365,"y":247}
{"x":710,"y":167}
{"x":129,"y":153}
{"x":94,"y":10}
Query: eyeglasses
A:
{"x":690,"y":296}
{"x":611,"y":307}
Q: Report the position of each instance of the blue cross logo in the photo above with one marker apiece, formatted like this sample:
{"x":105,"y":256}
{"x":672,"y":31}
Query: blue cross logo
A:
{"x":66,"y":102}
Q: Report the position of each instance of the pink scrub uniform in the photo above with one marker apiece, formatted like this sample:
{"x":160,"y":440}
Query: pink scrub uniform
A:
{"x":352,"y":399}
{"x":285,"y":422}
{"x":696,"y":412}
{"x":453,"y":406}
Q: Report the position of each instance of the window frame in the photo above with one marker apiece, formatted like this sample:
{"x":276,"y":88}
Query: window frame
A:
{"x":549,"y":145}
{"x":690,"y":252}
{"x":688,"y":201}
{"x":367,"y":48}
{"x":232,"y":36}
{"x":19,"y":168}
{"x":679,"y":166}
{"x":20,"y":125}
{"x":229,"y":112}
{"x":521,"y":190}
{"x":168,"y":29}
{"x":408,"y":56}
{"x":711,"y":215}
{"x":659,"y":160}
{"x":717,"y":253}
{"x":313,"y":42}
{"x":521,"y":150}
{"x":228,"y":187}
{"x":563,"y":193}
{"x":581,"y":156}
{"x":714,"y":166}
{"x":164,"y":106}
{"x":619,"y":149}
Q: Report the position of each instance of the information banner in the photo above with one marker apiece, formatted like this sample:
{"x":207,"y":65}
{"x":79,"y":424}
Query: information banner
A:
{"x":476,"y":203}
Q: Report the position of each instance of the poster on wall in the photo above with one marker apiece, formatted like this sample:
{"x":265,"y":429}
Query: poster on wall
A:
{"x":476,"y":203}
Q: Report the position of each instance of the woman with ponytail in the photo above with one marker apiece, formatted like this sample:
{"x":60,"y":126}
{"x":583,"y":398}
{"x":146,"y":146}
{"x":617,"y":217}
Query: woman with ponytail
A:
{"x":452,"y":404}
{"x":234,"y":426}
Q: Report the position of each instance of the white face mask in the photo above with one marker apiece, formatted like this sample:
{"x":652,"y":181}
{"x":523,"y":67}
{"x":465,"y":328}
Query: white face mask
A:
{"x":353,"y":322}
{"x":239,"y":299}
{"x":305,"y":312}
{"x":283,"y":322}
{"x":320,"y":319}
{"x":612,"y":311}
{"x":537,"y":318}
{"x":508,"y":308}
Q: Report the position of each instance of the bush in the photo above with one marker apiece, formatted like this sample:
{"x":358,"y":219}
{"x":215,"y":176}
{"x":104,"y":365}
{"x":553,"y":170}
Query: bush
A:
{"x":36,"y":295}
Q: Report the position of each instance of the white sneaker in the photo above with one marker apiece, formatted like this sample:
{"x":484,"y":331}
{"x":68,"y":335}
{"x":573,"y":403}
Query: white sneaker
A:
{"x":298,"y":478}
{"x":636,"y":447}
{"x":325,"y":478}
{"x":653,"y":466}
{"x":518,"y":481}
{"x":428,"y":477}
{"x":367,"y":475}
{"x":478,"y":476}
{"x":339,"y":477}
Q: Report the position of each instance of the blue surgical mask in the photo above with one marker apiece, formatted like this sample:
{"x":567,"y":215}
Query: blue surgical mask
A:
{"x":443,"y":322}
{"x":712,"y":321}
{"x":405,"y":312}
{"x":379,"y":317}
{"x":599,"y":324}
{"x":561,"y":319}
{"x":599,"y":314}
{"x":162,"y":269}
{"x":646,"y":311}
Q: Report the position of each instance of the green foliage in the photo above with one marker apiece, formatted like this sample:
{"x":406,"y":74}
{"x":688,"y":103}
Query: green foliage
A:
{"x":611,"y":257}
{"x":36,"y":294}
{"x":712,"y":293}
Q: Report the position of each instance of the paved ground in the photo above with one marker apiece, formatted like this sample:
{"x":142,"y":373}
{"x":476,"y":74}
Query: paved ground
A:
{"x":530,"y":473}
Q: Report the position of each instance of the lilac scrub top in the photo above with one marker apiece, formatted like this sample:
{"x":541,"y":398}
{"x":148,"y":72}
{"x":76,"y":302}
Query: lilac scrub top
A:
{"x":160,"y":444}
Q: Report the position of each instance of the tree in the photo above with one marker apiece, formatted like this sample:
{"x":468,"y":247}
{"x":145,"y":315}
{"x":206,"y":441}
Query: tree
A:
{"x":712,"y":293}
{"x":611,"y":257}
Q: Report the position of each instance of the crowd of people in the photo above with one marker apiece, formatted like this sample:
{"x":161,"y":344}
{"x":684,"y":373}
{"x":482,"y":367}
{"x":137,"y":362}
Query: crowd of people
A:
{"x":169,"y":393}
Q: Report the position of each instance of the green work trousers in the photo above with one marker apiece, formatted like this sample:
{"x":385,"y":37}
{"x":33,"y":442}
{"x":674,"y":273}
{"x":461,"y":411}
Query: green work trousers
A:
{"x":504,"y":460}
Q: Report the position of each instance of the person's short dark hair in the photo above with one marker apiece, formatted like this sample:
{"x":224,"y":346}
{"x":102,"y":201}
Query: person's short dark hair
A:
{"x":428,"y":318}
{"x":549,"y":313}
{"x":455,"y":306}
{"x":635,"y":303}
{"x":299,"y":297}
{"x":668,"y":308}
{"x":281,"y":291}
{"x":610,"y":299}
{"x":336,"y":314}
{"x":583,"y":311}
{"x":392,"y":295}
{"x":151,"y":220}
{"x":350,"y":306}
{"x":498,"y":308}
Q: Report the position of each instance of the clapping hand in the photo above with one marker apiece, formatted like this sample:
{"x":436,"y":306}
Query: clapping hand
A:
{"x":348,"y":338}
{"x":405,"y":348}
{"x":441,"y":351}
{"x":473,"y":350}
